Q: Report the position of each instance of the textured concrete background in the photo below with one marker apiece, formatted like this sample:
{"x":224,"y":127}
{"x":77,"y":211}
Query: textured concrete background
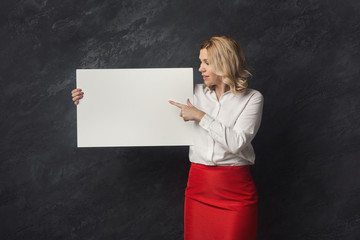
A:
{"x":305,"y":60}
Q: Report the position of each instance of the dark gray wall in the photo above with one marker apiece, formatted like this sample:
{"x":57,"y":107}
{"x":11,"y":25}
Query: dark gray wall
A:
{"x":305,"y":59}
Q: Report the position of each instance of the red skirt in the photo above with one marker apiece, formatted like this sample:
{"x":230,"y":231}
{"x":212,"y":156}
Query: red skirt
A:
{"x":220,"y":203}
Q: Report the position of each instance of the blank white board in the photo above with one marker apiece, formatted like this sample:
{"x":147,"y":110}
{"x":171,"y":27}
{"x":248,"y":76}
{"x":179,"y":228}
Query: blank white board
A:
{"x":129,"y":107}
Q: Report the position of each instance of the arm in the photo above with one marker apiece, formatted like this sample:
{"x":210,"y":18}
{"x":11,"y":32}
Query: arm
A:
{"x":236,"y":138}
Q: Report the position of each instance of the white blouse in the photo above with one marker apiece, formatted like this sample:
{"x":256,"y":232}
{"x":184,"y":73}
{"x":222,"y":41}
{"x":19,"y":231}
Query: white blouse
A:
{"x":224,"y":134}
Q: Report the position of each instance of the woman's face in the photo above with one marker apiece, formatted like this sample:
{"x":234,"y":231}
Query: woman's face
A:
{"x":210,"y":78}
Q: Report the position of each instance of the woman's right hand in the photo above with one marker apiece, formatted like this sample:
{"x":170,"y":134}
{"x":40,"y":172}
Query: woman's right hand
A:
{"x":77,"y":94}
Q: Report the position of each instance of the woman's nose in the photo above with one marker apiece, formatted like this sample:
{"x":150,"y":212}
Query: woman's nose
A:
{"x":201,"y":69}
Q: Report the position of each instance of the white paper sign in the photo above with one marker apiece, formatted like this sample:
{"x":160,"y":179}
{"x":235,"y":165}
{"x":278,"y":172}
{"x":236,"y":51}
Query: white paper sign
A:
{"x":129,"y":107}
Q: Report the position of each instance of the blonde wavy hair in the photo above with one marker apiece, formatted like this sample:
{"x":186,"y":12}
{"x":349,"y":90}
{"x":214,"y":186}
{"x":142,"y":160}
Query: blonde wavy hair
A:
{"x":229,"y":62}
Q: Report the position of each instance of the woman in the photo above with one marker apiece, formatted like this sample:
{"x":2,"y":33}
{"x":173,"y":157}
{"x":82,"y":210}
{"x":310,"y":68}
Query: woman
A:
{"x":221,"y":197}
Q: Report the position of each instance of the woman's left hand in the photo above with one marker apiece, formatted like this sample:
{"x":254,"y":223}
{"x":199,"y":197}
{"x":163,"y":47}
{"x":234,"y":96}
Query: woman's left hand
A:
{"x":189,"y":112}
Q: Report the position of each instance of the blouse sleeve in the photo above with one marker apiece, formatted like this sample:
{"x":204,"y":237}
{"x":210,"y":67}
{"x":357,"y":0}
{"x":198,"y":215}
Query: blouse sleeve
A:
{"x":236,"y":138}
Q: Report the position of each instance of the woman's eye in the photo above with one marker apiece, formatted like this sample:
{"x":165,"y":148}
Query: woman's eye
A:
{"x":207,"y":63}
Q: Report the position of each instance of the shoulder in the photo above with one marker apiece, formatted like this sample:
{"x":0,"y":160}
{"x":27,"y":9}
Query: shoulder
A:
{"x":253,"y":94}
{"x":199,"y":89}
{"x":198,"y":86}
{"x":250,"y":96}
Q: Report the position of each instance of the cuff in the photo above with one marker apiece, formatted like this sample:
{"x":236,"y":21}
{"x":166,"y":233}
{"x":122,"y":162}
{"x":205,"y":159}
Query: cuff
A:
{"x":206,"y":121}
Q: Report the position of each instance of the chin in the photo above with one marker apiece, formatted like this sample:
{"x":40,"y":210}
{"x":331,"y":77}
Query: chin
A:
{"x":207,"y":83}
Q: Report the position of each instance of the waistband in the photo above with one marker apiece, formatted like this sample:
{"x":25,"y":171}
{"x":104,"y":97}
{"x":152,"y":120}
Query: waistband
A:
{"x":225,"y":168}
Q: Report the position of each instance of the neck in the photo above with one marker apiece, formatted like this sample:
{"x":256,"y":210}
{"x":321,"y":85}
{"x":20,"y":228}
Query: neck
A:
{"x":221,"y":89}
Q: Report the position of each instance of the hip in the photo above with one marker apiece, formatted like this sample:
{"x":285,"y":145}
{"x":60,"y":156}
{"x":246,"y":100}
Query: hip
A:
{"x":230,"y":187}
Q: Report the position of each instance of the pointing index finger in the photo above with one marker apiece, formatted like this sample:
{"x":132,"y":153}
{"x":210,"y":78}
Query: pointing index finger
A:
{"x":179,"y":105}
